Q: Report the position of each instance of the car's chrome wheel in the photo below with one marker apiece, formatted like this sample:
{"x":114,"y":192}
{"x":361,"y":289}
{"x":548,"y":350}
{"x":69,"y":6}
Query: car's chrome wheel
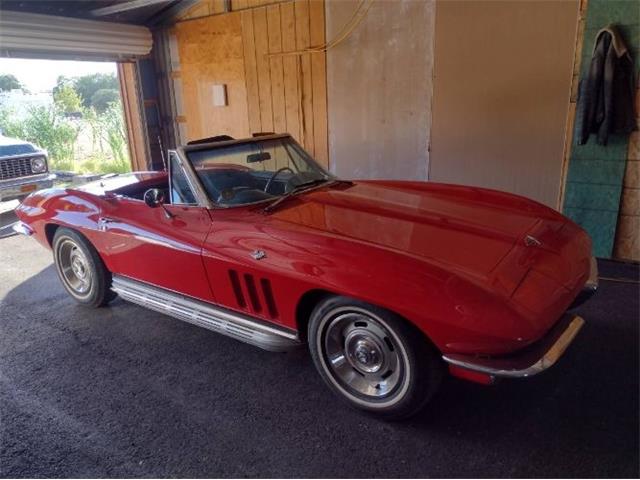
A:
{"x":74,"y":267}
{"x":364,"y":358}
{"x":373,"y":358}
{"x":80,"y":268}
{"x":362,"y":355}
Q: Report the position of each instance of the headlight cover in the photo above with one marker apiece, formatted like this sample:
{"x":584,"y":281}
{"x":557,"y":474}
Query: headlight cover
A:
{"x":38,"y":165}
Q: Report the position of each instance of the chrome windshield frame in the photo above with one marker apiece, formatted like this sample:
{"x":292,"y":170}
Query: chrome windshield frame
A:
{"x":201,"y":192}
{"x":192,"y":178}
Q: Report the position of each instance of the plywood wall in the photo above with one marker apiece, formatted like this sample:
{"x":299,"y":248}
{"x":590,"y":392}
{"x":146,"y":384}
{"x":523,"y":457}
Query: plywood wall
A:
{"x":211,"y":53}
{"x":267,"y":93}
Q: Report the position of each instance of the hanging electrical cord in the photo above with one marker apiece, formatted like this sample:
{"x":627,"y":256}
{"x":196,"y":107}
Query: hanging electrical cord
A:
{"x":356,"y":18}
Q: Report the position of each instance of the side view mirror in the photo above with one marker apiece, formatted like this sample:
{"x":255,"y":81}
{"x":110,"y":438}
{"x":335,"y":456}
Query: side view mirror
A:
{"x":154,"y":197}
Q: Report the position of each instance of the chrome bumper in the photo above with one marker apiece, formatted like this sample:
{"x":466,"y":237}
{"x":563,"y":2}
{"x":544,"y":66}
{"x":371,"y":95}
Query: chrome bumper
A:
{"x":23,"y":186}
{"x":590,"y":286}
{"x":22,"y":229}
{"x":532,"y":360}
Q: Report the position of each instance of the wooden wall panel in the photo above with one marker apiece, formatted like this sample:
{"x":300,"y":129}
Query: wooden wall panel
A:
{"x":251,"y":72}
{"x":282,"y":93}
{"x":290,"y":67}
{"x":276,"y":69}
{"x":264,"y":72}
{"x":301,"y":9}
{"x":291,"y":93}
{"x":319,"y":80}
{"x":211,"y":52}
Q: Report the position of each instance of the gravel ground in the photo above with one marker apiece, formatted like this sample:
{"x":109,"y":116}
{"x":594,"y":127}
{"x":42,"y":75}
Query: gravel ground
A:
{"x":125,"y":392}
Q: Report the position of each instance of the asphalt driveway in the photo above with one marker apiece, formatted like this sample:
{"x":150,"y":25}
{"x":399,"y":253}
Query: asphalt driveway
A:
{"x":126,"y":392}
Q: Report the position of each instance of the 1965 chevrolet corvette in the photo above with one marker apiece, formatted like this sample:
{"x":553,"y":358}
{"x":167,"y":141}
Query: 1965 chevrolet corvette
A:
{"x":390,"y":283}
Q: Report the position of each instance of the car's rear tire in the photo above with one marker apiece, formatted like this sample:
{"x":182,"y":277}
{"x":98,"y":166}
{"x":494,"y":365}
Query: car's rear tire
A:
{"x":372,"y":358}
{"x":81,"y":269}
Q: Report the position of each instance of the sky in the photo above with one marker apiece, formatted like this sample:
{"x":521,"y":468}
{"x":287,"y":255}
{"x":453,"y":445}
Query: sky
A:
{"x":41,"y":75}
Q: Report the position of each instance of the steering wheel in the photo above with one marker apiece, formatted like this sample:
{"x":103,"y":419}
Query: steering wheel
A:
{"x":273,"y":177}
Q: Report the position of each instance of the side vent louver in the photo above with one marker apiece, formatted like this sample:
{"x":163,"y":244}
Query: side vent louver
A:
{"x":268,"y":296}
{"x":253,"y":296}
{"x":237,"y":289}
{"x":253,"y":293}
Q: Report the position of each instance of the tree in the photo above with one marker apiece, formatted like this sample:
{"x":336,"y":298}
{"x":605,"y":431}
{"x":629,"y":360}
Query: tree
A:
{"x":103,"y":98}
{"x":9,"y":82}
{"x":62,"y":82}
{"x":67,"y":99}
{"x":88,"y":85}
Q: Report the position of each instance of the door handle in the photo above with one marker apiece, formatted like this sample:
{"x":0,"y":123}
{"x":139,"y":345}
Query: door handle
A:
{"x":103,"y":223}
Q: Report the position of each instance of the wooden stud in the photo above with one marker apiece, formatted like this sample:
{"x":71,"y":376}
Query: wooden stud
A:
{"x":251,"y":72}
{"x":301,"y":9}
{"x":319,"y":82}
{"x":292,"y":96}
{"x":276,"y":69}
{"x":262,"y":63}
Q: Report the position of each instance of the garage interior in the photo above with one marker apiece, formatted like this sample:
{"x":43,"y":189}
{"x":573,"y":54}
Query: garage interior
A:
{"x":481,"y":93}
{"x":423,"y":114}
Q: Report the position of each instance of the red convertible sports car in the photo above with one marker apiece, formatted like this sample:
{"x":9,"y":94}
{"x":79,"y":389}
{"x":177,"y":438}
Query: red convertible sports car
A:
{"x":390,"y":283}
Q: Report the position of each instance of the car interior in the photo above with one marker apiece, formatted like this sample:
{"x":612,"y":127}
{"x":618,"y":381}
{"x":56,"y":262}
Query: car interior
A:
{"x":227,"y":184}
{"x":237,"y":174}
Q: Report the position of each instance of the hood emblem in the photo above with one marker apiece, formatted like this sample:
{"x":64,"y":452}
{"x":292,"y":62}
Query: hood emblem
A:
{"x":531,"y":241}
{"x":258,"y":254}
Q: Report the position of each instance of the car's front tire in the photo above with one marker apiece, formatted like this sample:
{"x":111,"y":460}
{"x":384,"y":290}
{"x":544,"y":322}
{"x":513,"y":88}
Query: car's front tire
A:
{"x":81,"y":269}
{"x":372,"y":358}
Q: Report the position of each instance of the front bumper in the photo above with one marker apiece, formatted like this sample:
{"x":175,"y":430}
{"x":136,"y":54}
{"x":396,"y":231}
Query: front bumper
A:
{"x":537,"y":357}
{"x":23,"y":186}
{"x":532,"y":360}
{"x":590,"y":287}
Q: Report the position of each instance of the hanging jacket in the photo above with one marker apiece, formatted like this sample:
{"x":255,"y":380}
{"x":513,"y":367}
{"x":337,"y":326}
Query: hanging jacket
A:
{"x":606,"y":105}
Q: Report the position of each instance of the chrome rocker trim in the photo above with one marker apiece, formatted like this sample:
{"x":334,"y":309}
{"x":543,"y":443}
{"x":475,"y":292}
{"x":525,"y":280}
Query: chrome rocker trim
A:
{"x":532,"y":360}
{"x":220,"y":320}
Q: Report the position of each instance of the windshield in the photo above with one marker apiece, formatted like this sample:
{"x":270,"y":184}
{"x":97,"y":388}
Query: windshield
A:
{"x":255,"y":171}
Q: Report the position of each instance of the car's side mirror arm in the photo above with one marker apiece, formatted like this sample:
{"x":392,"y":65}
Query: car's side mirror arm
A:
{"x":154,"y":198}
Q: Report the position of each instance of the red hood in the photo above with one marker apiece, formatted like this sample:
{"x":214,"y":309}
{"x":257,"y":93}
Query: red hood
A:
{"x":469,"y":229}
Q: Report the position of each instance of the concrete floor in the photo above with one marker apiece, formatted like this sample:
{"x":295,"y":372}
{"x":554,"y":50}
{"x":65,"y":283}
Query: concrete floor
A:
{"x":125,"y":392}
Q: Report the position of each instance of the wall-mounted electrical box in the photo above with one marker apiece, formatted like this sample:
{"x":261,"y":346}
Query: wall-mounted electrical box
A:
{"x":219,"y":95}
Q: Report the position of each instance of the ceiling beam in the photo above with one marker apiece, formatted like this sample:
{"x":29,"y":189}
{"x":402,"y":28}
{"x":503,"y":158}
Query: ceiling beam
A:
{"x":125,"y":6}
{"x":169,"y":14}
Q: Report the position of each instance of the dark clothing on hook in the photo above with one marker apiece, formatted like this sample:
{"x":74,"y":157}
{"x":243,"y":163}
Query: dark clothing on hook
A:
{"x":606,"y":103}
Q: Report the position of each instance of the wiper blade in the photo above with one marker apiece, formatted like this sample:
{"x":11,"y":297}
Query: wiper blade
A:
{"x":297,"y":189}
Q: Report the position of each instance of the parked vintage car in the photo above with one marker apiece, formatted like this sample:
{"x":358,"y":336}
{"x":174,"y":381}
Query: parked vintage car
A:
{"x":23,"y":169}
{"x":390,"y":283}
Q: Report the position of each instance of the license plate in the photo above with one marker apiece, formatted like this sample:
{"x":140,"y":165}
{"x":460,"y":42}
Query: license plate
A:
{"x":28,"y":188}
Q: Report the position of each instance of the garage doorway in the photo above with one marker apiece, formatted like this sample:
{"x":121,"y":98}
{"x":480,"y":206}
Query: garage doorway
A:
{"x":72,"y":109}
